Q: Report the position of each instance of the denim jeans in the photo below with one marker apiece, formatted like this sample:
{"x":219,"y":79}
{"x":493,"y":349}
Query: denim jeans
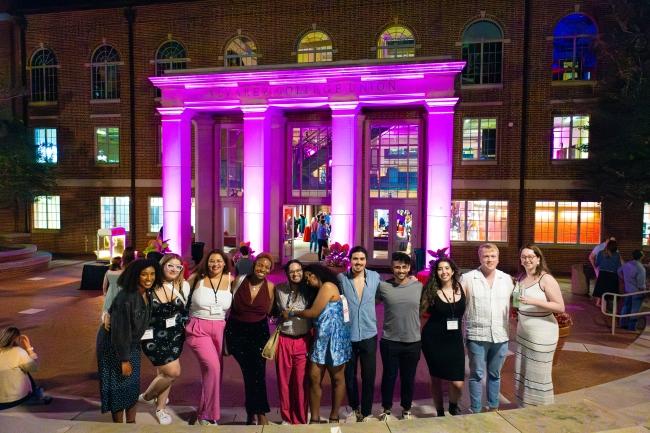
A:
{"x":482,"y":355}
{"x":632,"y":304}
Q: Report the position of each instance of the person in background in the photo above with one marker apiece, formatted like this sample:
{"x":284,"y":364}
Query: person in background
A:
{"x":293,"y":345}
{"x":592,"y":260}
{"x":608,"y":261}
{"x":17,"y":361}
{"x":400,"y":343}
{"x":109,"y":286}
{"x":164,"y":350}
{"x":118,"y":347}
{"x":244,"y":265}
{"x":537,"y":329}
{"x":444,"y":300}
{"x":128,"y":255}
{"x":247,"y":331}
{"x":331,"y":349}
{"x":633,"y":275}
{"x":322,"y":236}
{"x":313,"y":235}
{"x":209,"y":300}
{"x":488,"y":293}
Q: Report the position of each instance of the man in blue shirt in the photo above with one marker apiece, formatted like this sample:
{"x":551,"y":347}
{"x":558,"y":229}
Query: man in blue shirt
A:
{"x":360,"y":286}
{"x":633,"y":275}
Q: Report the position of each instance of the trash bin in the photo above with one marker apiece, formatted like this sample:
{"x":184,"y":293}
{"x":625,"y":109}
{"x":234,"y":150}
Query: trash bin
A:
{"x":578,"y":280}
{"x":419,"y":254}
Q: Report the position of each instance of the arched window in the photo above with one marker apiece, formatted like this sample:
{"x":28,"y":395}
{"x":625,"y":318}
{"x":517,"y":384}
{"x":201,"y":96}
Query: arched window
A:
{"x":43,"y":67}
{"x":170,"y":56}
{"x":105,"y":75}
{"x":483,"y":52}
{"x":241,"y":51}
{"x":315,"y":46}
{"x":396,"y":42}
{"x":573,"y":50}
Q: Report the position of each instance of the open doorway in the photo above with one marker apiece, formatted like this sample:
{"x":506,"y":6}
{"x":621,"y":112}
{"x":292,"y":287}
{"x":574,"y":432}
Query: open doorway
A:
{"x":298,"y":227}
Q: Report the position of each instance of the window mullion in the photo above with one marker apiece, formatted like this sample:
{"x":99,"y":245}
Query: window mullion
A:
{"x":557,"y":222}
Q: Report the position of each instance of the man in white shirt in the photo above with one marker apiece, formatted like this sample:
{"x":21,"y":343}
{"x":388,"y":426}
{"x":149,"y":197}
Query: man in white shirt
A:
{"x":488,"y":293}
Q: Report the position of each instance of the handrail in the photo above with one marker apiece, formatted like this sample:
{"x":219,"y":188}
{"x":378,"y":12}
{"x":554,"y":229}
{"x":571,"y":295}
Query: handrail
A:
{"x":614,"y":315}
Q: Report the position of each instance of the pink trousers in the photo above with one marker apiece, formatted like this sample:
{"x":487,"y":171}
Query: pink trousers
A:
{"x":291,"y":371}
{"x":205,"y":338}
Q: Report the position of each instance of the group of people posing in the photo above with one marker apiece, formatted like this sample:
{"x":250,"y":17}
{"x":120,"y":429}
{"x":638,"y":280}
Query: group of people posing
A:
{"x":327,"y":324}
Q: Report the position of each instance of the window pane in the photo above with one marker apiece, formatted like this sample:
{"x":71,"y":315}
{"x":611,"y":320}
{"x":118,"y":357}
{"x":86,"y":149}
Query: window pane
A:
{"x":46,"y":144}
{"x":394,"y":161}
{"x":114,"y":212}
{"x":573,"y":48}
{"x":311,"y":149}
{"x":567,"y":222}
{"x":47,"y":212}
{"x":646,"y":224}
{"x":107,"y":212}
{"x":232,"y":161}
{"x":482,"y":49}
{"x":589,"y":223}
{"x":457,"y":220}
{"x":108,"y":145}
{"x":476,"y":220}
{"x":241,"y":51}
{"x":479,"y":139}
{"x":105,"y":75}
{"x":44,"y":75}
{"x":545,"y":222}
{"x":580,"y":137}
{"x":155,"y":214}
{"x":570,"y":137}
{"x":498,"y":221}
{"x":381,"y":228}
{"x":315,"y":46}
{"x":396,"y":42}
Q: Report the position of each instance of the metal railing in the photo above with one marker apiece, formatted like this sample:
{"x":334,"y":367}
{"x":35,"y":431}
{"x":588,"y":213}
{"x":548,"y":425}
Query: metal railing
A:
{"x":614,"y":314}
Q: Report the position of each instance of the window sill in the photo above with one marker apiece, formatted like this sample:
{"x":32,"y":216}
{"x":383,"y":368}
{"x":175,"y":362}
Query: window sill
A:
{"x":105,"y":101}
{"x":574,"y":83}
{"x":110,"y":165}
{"x":481,"y":86}
{"x":478,"y":162}
{"x":43,"y":103}
{"x":35,"y":230}
{"x":568,"y":161}
{"x":566,"y":246}
{"x":476,"y":243}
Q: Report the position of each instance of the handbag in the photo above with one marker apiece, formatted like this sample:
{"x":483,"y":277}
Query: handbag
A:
{"x":271,"y":346}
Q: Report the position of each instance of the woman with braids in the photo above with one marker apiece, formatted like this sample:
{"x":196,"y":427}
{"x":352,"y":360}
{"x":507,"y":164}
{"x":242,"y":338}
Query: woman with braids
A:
{"x":443,"y":298}
{"x":331,"y":348}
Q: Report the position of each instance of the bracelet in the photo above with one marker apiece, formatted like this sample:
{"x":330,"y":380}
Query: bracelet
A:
{"x":292,"y":313}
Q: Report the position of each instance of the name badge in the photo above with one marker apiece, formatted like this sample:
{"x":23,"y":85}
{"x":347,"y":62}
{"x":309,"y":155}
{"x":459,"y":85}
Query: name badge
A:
{"x":288,"y":324}
{"x":216,"y":310}
{"x":148,"y":334}
{"x":452,"y":324}
{"x":170,"y":322}
{"x":346,"y":309}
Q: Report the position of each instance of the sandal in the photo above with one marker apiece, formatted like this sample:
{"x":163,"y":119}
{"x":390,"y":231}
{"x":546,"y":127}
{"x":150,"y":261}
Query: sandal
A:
{"x":333,"y":420}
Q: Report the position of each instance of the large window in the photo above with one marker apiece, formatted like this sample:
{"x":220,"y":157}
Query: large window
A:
{"x":241,"y":51}
{"x":155,"y":214}
{"x":394,"y":159}
{"x":479,"y":220}
{"x":479,"y":139}
{"x":482,"y":49}
{"x":47,"y":212}
{"x":567,"y":222}
{"x":105,"y":73}
{"x":232,"y":162}
{"x":114,"y":212}
{"x":311,"y":158}
{"x":46,"y":145}
{"x":107,"y":142}
{"x":570,"y":137}
{"x":646,"y":224}
{"x":315,"y":46}
{"x":574,"y":55}
{"x":43,"y":67}
{"x":396,"y":42}
{"x":170,"y":56}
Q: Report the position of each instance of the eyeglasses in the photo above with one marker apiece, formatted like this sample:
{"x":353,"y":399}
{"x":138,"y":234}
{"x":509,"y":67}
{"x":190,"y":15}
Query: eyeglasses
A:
{"x":173,"y":266}
{"x":528,"y":257}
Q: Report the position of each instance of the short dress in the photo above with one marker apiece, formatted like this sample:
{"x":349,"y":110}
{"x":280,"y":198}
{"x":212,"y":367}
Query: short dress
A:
{"x":443,"y":349}
{"x":167,"y":343}
{"x":332,"y":344}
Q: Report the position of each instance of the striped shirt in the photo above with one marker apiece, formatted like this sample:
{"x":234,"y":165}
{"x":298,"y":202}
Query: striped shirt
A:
{"x":486,"y":318}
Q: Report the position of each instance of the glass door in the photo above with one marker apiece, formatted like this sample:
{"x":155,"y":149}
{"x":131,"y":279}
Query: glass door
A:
{"x":393,"y":229}
{"x":231,"y":227}
{"x":289,"y":230}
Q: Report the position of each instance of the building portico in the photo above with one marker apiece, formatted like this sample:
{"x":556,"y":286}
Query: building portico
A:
{"x":261,"y":97}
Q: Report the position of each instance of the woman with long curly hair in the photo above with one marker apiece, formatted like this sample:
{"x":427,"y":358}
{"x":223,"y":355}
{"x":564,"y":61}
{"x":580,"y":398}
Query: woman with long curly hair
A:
{"x":443,"y":299}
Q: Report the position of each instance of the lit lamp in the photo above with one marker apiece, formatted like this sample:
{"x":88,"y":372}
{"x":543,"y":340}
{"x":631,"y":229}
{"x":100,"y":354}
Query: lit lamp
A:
{"x":110,"y":243}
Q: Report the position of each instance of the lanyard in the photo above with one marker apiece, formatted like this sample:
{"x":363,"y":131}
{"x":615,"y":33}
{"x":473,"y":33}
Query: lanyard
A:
{"x":216,"y":301}
{"x":451,"y":304}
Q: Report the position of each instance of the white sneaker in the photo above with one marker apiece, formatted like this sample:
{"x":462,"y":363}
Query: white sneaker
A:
{"x":285,"y":423}
{"x":384,"y":416}
{"x":407,"y":414}
{"x":207,"y":422}
{"x":369,"y":418}
{"x":143,"y":400}
{"x":163,"y":417}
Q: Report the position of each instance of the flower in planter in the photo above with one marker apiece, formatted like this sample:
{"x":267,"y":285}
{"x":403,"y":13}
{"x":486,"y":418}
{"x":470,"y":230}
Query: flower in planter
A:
{"x":563,"y":319}
{"x":437,"y":255}
{"x":157,"y":245}
{"x":237,"y":256}
{"x":338,"y":255}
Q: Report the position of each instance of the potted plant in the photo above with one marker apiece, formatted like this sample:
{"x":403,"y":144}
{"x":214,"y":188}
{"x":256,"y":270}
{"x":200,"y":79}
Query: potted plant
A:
{"x":565,"y":322}
{"x":337,"y":257}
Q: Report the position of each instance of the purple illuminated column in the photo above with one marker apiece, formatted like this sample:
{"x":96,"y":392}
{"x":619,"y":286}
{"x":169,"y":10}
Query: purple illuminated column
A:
{"x":440,"y":145}
{"x":205,"y":180}
{"x":177,"y":179}
{"x":257,"y":167}
{"x":346,"y":150}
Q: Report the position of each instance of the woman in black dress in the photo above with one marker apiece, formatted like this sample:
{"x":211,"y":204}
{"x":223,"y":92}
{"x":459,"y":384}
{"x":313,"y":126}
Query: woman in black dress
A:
{"x":163,"y":350}
{"x":443,"y":298}
{"x":118,"y":347}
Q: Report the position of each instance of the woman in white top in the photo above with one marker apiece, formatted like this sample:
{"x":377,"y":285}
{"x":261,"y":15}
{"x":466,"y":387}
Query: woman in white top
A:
{"x":209,"y":299}
{"x":165,"y":344}
{"x":537,"y":331}
{"x":17,"y":361}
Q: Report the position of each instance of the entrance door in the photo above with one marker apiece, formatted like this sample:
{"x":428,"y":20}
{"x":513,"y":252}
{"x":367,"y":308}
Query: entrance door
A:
{"x":393,"y":229}
{"x":296,"y":226}
{"x":231,"y":217}
{"x":289,"y":218}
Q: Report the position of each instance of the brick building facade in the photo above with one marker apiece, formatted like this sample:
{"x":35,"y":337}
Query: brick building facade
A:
{"x":524,"y":102}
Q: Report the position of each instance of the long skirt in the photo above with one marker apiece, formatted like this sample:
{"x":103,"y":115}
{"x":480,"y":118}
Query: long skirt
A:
{"x":537,"y":338}
{"x":117,"y":392}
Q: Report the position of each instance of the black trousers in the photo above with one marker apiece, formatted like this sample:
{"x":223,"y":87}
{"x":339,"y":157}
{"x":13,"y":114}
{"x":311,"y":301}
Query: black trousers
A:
{"x":322,"y":243}
{"x":364,"y":351}
{"x":245,"y":342}
{"x":399,"y":358}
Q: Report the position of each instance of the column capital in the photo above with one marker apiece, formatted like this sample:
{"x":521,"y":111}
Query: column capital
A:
{"x":345,"y":108}
{"x":441,"y":105}
{"x":203,"y":119}
{"x":253,"y":112}
{"x":173,"y":113}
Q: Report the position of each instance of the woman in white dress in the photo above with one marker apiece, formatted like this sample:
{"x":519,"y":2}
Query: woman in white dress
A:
{"x":539,"y":297}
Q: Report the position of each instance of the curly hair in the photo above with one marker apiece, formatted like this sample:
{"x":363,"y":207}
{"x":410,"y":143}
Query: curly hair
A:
{"x":129,"y":280}
{"x":430,"y":290}
{"x":323,"y":273}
